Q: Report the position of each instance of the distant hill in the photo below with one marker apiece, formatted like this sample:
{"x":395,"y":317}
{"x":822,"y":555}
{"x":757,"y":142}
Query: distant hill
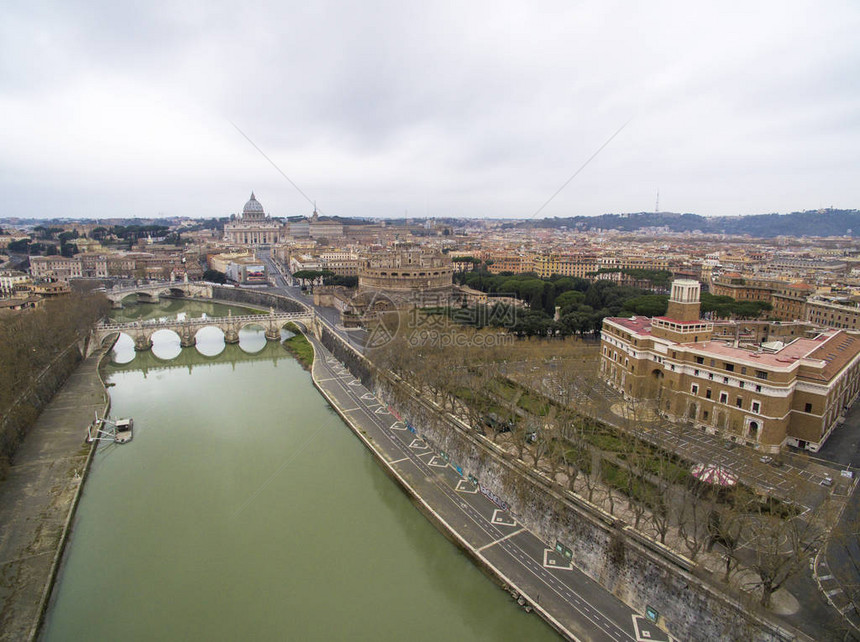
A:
{"x":829,"y":222}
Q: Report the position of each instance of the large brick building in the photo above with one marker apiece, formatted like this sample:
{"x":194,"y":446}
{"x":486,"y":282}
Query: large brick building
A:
{"x":791,"y":391}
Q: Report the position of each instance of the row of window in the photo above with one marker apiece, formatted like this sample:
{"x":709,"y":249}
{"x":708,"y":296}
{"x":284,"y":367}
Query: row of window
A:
{"x":730,"y":367}
{"x":755,"y":406}
{"x":741,"y":384}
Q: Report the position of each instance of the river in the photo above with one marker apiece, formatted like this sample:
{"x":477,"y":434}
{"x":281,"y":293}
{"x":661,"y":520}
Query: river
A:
{"x":245,"y":509}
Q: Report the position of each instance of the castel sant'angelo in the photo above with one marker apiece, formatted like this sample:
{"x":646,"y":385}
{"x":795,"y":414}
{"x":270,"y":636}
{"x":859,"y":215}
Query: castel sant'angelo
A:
{"x":413,"y":275}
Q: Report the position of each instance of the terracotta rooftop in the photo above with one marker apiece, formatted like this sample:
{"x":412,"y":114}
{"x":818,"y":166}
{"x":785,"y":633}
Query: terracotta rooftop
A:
{"x":836,"y":351}
{"x":639,"y":325}
{"x":797,"y":349}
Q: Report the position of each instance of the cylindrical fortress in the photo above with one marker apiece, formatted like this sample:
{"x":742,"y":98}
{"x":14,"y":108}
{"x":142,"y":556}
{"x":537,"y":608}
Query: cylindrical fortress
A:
{"x":406,"y":274}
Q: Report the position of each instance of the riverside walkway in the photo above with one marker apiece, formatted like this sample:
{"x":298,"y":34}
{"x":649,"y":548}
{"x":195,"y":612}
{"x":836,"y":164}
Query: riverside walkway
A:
{"x":576,"y":606}
{"x":38,"y":497}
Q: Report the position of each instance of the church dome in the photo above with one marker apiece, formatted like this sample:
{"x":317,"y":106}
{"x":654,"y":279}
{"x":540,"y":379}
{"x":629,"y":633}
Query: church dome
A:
{"x":253,"y":208}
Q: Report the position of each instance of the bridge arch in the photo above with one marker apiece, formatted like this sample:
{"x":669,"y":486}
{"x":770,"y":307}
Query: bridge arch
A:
{"x":124,"y":342}
{"x":166,"y":343}
{"x":210,"y":340}
{"x":172,"y":292}
{"x":253,"y":323}
{"x":253,"y":336}
{"x":139,"y":297}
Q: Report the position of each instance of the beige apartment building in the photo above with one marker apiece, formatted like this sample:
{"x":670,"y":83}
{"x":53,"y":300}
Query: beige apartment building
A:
{"x":58,"y":268}
{"x":792,"y":391}
{"x":510,"y":263}
{"x":580,"y":266}
{"x":834,"y":315}
{"x":789,"y":301}
{"x":743,"y":289}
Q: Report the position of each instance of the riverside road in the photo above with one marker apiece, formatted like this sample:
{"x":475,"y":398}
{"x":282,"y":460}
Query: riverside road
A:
{"x":578,"y":606}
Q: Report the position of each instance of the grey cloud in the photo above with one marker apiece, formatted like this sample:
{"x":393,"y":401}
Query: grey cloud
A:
{"x":378,"y":107}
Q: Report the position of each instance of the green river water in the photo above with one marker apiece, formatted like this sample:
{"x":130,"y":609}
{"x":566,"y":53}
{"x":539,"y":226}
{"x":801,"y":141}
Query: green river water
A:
{"x":244,"y":509}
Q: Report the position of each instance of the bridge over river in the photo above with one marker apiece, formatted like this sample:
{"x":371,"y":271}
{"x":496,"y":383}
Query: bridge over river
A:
{"x":187,"y":329}
{"x":152,"y":292}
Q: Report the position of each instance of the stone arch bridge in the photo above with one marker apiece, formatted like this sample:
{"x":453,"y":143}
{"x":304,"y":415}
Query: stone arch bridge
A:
{"x":152,"y":292}
{"x":142,"y":331}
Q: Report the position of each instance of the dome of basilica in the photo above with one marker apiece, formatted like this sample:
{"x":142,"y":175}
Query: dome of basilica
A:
{"x":253,"y":208}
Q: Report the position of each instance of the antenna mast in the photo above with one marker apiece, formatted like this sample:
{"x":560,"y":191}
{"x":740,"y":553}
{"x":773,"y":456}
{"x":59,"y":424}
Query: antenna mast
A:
{"x":657,"y":206}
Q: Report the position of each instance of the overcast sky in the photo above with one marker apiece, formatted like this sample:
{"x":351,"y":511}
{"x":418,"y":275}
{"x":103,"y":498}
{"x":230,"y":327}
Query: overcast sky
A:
{"x":433,"y":108}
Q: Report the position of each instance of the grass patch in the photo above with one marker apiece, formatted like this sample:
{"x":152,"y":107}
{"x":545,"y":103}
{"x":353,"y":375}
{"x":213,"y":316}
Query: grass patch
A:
{"x":299,"y":346}
{"x":619,"y":478}
{"x":606,"y":441}
{"x":580,"y":457}
{"x":668,"y":470}
{"x":533,"y":404}
{"x":503,"y":389}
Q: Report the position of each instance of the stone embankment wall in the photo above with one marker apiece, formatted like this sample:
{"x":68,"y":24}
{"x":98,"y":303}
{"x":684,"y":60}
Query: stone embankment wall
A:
{"x":260,"y":299}
{"x":357,"y":364}
{"x":24,"y":412}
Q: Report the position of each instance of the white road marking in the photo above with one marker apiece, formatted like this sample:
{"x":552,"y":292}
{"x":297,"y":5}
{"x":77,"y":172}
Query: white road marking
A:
{"x":548,"y":562}
{"x":501,"y":539}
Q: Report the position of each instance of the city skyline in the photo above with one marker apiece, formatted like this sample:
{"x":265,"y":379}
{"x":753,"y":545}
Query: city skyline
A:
{"x":483,"y":110}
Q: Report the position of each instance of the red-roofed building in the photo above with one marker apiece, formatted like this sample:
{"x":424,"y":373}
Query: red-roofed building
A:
{"x":791,"y":391}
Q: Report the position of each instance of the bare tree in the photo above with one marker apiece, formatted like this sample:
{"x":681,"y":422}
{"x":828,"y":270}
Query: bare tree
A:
{"x":728,"y":526}
{"x":592,"y":478}
{"x":782,"y":546}
{"x":693,"y":516}
{"x":661,"y":502}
